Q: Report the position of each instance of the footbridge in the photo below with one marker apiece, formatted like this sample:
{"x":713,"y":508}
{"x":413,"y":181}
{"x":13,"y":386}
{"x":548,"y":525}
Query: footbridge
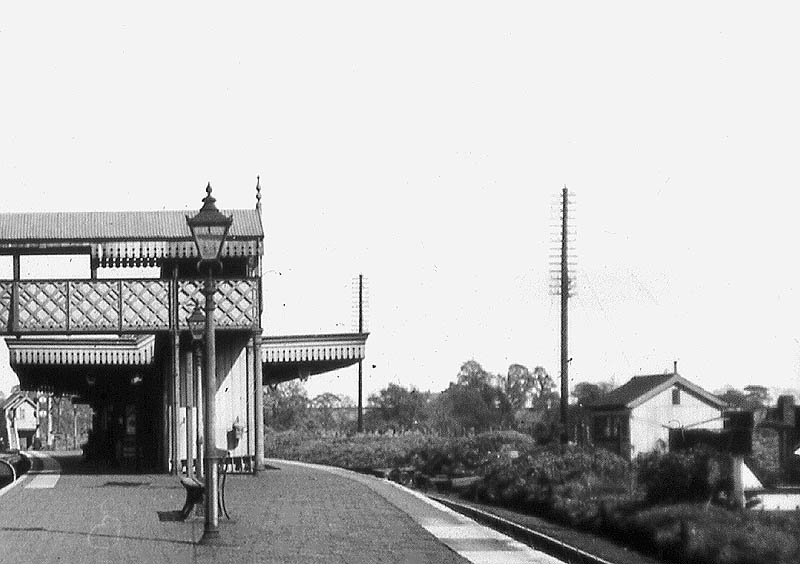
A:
{"x":123,"y":345}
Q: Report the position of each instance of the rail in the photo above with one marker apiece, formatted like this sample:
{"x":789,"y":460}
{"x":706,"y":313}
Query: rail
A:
{"x":11,"y":467}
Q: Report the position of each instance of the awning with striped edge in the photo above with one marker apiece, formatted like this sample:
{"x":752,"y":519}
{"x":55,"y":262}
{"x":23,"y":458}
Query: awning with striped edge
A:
{"x":286,"y":357}
{"x":85,"y":350}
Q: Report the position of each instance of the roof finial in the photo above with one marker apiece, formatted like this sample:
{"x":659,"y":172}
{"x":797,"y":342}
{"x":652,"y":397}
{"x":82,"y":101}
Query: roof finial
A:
{"x":258,"y":194}
{"x":209,"y":202}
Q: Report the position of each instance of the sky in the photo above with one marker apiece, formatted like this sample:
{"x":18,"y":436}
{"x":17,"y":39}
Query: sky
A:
{"x":424,"y":144}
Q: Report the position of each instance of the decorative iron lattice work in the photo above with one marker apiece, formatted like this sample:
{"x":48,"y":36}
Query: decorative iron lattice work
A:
{"x":42,"y":306}
{"x":235,"y":300}
{"x":94,"y":305}
{"x":145,"y":304}
{"x":5,"y":304}
{"x":120,"y":306}
{"x":190,"y":293}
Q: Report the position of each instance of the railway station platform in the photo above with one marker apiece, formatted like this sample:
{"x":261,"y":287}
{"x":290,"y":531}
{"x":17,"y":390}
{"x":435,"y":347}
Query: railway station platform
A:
{"x":64,"y":510}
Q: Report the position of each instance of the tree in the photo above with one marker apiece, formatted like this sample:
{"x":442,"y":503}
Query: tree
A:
{"x":753,"y":397}
{"x":587,"y":393}
{"x":545,"y":388}
{"x":467,"y":408}
{"x":324,"y":407}
{"x":398,"y":407}
{"x":472,"y":374}
{"x":734,"y":398}
{"x":757,"y":396}
{"x":474,"y":403}
{"x":285,"y":406}
{"x":520,"y":386}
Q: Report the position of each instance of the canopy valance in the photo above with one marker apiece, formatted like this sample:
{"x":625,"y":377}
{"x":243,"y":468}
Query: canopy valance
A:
{"x":126,"y":350}
{"x":287,"y":357}
{"x":303,"y":348}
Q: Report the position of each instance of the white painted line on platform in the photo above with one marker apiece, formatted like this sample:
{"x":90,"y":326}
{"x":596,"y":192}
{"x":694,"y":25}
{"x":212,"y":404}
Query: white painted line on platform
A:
{"x":465,"y":531}
{"x":48,"y":476}
{"x":43,"y":482}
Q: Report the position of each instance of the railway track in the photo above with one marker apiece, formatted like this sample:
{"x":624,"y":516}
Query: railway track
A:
{"x":12,"y":466}
{"x":564,"y":543}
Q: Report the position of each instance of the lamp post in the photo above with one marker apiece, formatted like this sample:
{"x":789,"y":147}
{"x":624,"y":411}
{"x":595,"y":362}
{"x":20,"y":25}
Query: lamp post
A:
{"x":197,"y":326}
{"x":209,"y":229}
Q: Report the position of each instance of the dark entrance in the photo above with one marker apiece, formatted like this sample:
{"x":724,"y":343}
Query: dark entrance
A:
{"x":26,"y":439}
{"x":127,"y":418}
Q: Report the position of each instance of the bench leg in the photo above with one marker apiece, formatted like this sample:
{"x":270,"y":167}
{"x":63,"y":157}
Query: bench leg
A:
{"x":221,"y":492}
{"x":193,"y":497}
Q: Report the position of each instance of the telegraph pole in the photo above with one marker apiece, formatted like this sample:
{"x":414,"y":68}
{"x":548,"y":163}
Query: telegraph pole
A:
{"x":360,"y":373}
{"x":563,"y":286}
{"x":564,"y":320}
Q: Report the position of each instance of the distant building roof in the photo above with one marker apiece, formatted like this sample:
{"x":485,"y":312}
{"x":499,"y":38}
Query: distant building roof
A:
{"x":15,"y":399}
{"x":641,"y":388}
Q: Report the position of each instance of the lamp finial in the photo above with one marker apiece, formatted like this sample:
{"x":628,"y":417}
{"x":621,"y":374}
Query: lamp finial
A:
{"x":258,"y":193}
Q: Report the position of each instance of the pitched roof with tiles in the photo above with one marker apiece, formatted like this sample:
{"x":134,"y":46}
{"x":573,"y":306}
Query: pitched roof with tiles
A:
{"x":157,"y":225}
{"x":639,"y":389}
{"x":18,"y":397}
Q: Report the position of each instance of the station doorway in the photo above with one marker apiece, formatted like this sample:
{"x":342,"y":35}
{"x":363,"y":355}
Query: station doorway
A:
{"x":127,"y":420}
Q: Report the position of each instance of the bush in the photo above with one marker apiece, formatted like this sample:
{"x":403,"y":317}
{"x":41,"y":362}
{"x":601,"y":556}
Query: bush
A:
{"x":356,"y":452}
{"x":429,"y":454}
{"x":764,"y":459}
{"x":691,"y":475}
{"x":459,"y":456}
{"x":699,"y":533}
{"x":568,"y":485}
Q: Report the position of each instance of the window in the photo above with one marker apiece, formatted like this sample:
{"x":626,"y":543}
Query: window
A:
{"x":676,"y":396}
{"x":607,"y":427}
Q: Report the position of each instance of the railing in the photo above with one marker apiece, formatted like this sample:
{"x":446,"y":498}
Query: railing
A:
{"x":120,"y":306}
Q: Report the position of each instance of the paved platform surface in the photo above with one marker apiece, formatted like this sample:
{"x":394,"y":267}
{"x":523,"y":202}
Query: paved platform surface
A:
{"x":293,"y":513}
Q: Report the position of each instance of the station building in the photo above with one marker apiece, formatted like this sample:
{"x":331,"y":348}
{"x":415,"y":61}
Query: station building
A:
{"x":123,"y":345}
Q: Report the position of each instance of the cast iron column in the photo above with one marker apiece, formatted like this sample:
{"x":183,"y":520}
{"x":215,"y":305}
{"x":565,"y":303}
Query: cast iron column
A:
{"x":209,"y":419}
{"x":259,"y":403}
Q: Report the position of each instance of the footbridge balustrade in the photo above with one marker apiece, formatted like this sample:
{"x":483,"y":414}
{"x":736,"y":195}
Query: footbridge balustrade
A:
{"x":128,"y":306}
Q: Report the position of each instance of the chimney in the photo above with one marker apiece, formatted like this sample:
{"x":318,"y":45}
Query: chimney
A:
{"x":674,"y":366}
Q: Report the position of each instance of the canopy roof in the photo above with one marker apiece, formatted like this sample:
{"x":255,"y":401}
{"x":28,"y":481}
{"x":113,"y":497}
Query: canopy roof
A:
{"x":85,"y":350}
{"x":70,"y":364}
{"x":62,"y":363}
{"x":122,"y":236}
{"x":286,"y":357}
